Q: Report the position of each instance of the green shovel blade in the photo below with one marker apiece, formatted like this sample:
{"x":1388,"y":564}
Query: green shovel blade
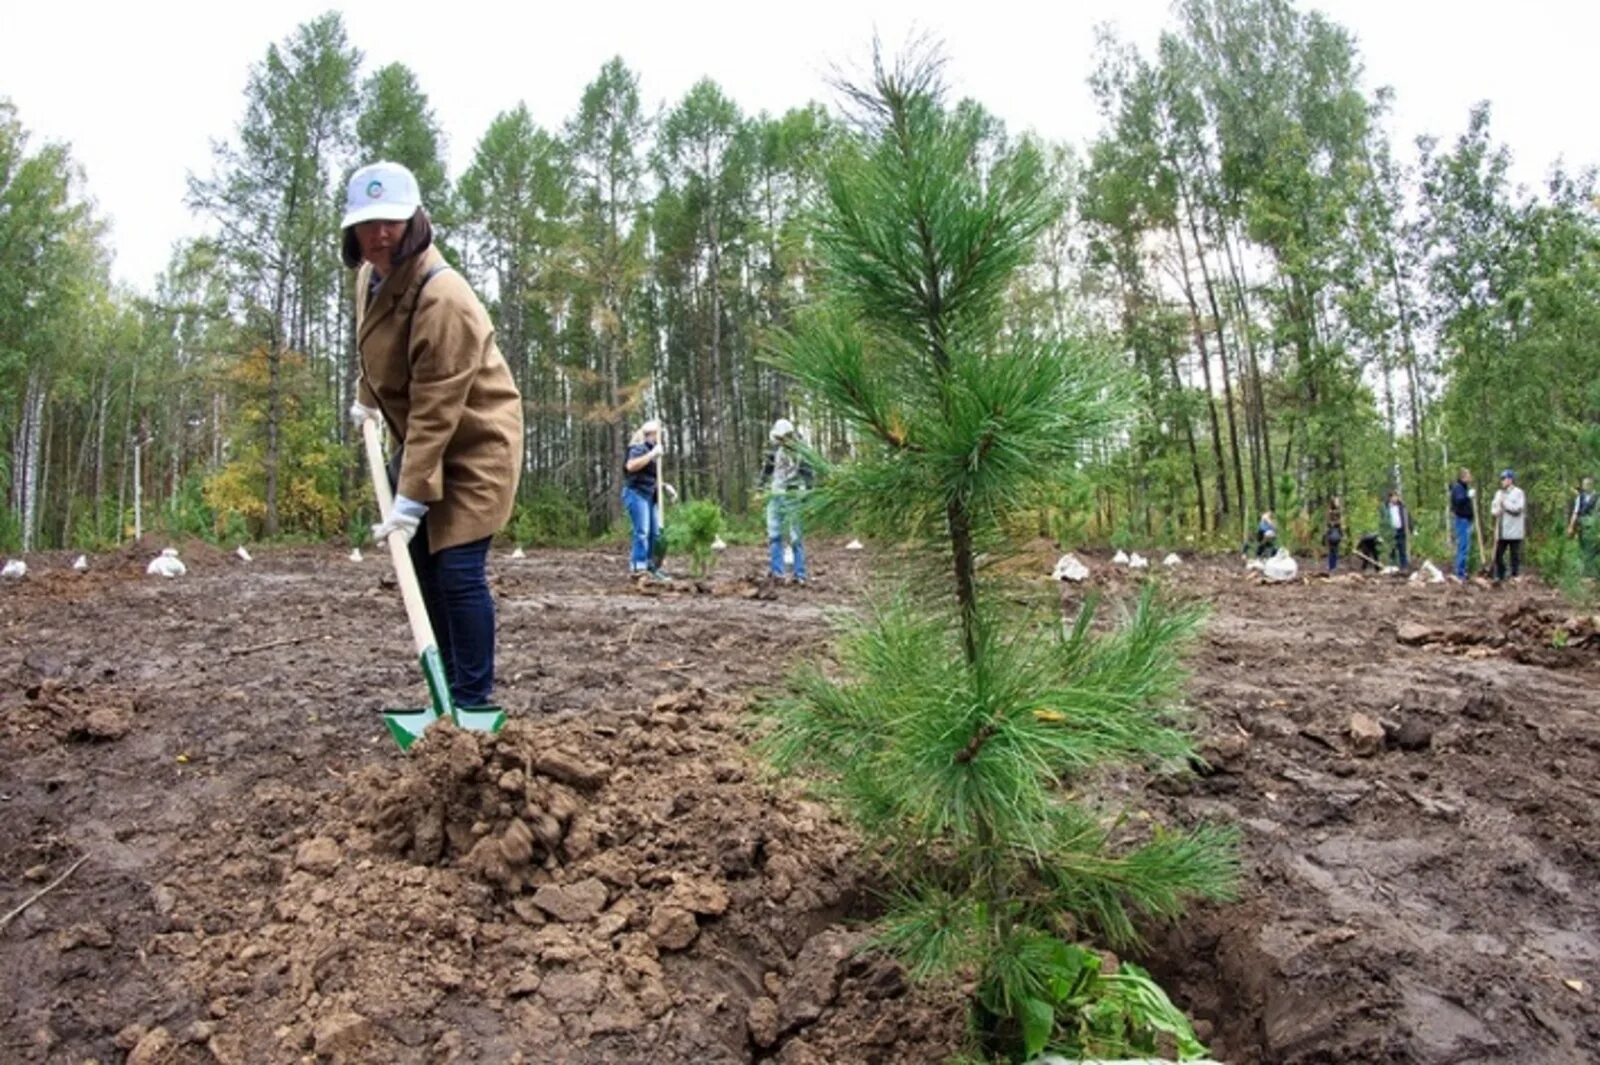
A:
{"x":480,"y":718}
{"x":408,"y":726}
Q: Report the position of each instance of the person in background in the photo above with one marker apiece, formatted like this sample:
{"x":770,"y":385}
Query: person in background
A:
{"x":1335,"y":534}
{"x":641,"y":472}
{"x":1463,"y":501}
{"x":1508,"y":508}
{"x":1266,"y":535}
{"x":785,"y":475}
{"x":429,"y":370}
{"x":1581,"y":523}
{"x":1397,"y":519}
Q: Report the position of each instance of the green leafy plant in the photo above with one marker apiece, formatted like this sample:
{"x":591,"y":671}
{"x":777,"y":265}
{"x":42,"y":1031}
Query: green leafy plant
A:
{"x":961,"y":733}
{"x":695,"y":527}
{"x":548,"y":517}
{"x":1086,"y":1011}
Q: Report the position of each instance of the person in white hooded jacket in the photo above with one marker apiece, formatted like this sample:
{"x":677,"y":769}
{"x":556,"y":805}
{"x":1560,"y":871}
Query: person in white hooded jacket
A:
{"x":1509,"y":509}
{"x":786,"y":476}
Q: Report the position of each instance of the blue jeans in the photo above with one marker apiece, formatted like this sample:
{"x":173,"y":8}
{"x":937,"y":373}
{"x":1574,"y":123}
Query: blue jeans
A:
{"x":783,"y":516}
{"x":455,"y":589}
{"x":1333,"y":555}
{"x":646,"y":521}
{"x":1463,"y":545}
{"x":1399,"y":554}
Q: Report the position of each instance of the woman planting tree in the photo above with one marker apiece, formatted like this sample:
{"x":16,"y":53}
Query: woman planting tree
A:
{"x":430,"y":369}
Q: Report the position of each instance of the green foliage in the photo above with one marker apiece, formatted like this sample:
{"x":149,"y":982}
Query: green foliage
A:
{"x":1082,"y":1011}
{"x":546,"y":516}
{"x":694,"y":527}
{"x":188,"y":514}
{"x":953,"y":731}
{"x":10,"y":531}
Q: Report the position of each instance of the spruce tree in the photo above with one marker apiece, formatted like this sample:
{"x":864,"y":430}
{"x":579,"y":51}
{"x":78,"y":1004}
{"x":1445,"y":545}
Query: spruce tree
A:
{"x":959,"y":734}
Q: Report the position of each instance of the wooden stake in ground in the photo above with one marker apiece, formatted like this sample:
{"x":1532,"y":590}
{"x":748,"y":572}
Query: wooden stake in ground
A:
{"x":1483,"y":559}
{"x":658,"y":549}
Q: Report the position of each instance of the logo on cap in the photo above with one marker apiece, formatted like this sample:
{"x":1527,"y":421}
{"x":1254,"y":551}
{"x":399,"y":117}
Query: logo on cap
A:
{"x":374,"y":190}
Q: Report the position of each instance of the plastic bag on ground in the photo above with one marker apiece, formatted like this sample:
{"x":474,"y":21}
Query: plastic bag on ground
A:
{"x":853,"y":545}
{"x":1172,"y":560}
{"x":167,"y":564}
{"x":1120,"y":558}
{"x":244,"y":556}
{"x":1068,"y":568}
{"x":1138,"y":561}
{"x":355,"y":554}
{"x":1427,"y":573}
{"x":1281,"y":567}
{"x":719,"y":544}
{"x":81,"y":563}
{"x":15,"y":568}
{"x":518,"y":553}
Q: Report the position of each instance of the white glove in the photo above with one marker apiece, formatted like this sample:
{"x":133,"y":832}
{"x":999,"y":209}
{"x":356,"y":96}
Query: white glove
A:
{"x":402,"y":520}
{"x":670,"y":492}
{"x":359,"y":414}
{"x":1472,"y":493}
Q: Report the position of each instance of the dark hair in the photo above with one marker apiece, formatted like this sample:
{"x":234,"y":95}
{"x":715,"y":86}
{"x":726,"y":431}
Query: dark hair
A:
{"x":417,"y":237}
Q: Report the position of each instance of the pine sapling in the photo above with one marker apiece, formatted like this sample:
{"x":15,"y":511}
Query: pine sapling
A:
{"x":963,"y":735}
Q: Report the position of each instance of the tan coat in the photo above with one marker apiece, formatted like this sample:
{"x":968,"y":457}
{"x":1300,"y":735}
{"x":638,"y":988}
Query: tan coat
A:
{"x":429,"y":363}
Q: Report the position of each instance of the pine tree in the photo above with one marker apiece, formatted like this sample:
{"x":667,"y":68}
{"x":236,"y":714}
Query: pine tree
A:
{"x":957,"y":729}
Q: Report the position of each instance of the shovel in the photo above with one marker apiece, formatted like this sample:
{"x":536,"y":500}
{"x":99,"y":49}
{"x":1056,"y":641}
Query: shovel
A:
{"x":407,"y":726}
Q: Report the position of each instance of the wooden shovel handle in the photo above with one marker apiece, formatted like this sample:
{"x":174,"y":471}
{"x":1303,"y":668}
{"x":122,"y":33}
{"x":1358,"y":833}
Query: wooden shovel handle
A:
{"x":410,"y":591}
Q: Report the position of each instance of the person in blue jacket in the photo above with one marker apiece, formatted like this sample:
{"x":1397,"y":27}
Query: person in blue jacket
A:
{"x":1463,"y":503}
{"x":1266,"y":535}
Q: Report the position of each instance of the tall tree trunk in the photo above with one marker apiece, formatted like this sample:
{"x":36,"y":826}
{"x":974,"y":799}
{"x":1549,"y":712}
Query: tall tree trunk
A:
{"x":1222,"y":356}
{"x":1197,"y":328}
{"x":1255,"y":404}
{"x":26,"y":491}
{"x":1188,"y":434}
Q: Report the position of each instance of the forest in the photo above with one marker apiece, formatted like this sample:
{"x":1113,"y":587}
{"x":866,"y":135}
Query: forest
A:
{"x":1290,"y":305}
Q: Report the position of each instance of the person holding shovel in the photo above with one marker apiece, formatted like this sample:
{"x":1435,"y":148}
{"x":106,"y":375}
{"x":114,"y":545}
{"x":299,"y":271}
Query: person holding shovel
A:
{"x":429,"y":368}
{"x":1508,"y":509}
{"x":1464,"y":516}
{"x":641,"y":498}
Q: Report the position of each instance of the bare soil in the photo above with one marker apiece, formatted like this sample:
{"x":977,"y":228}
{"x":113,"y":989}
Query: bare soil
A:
{"x":614,"y":879}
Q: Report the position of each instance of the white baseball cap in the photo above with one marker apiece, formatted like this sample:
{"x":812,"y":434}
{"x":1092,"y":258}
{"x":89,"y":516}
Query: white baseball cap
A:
{"x":781,"y":428}
{"x":386,"y":191}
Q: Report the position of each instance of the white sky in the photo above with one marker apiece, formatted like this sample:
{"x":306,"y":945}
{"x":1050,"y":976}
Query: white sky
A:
{"x":140,"y":89}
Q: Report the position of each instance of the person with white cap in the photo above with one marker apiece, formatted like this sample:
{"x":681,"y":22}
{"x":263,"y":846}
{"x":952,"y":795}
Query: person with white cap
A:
{"x":642,"y":471}
{"x":429,"y":368}
{"x":1509,"y":510}
{"x":785,"y":475}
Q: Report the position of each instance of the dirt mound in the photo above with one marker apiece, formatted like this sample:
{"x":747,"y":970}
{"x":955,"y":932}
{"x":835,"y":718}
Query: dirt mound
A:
{"x":1525,"y":632}
{"x":585,"y":892}
{"x":131,"y":559}
{"x":51,"y":712}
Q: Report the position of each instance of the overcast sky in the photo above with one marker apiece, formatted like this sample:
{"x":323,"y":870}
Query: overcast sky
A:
{"x":140,"y":90}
